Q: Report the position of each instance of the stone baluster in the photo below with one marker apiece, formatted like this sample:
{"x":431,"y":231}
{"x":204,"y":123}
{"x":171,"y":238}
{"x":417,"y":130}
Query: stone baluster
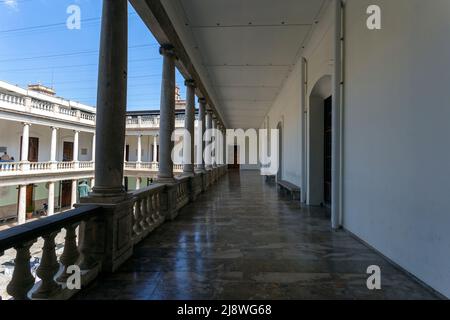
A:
{"x":22,"y":279}
{"x":144,"y":222}
{"x":70,"y":254}
{"x":47,"y":269}
{"x":150,"y":217}
{"x":137,"y":226}
{"x":157,"y":206}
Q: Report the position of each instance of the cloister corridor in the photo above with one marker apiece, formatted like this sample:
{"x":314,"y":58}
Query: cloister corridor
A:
{"x":244,"y":240}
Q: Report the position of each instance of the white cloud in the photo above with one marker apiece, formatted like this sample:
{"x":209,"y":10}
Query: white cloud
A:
{"x":11,"y":3}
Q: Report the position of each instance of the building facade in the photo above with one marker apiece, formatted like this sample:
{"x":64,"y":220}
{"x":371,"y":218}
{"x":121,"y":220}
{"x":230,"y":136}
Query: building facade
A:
{"x":60,"y":150}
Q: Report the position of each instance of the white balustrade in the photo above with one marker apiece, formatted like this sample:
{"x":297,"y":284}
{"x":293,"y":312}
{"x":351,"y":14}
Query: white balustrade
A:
{"x":178,"y":167}
{"x":39,"y":106}
{"x":87,"y":116}
{"x":68,"y":112}
{"x":9,"y":166}
{"x":42,"y":105}
{"x":65,"y":165}
{"x":86,"y":165}
{"x":40,"y":166}
{"x":146,"y":214}
{"x":12,"y":99}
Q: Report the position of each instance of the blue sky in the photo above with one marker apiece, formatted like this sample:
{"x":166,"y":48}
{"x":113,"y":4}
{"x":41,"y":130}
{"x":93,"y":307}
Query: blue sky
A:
{"x":36,"y":46}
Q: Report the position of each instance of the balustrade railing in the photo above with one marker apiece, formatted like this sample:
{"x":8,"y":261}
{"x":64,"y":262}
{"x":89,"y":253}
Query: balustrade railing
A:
{"x":42,"y":105}
{"x":10,"y":166}
{"x":38,"y":105}
{"x":40,"y":166}
{"x":50,"y":282}
{"x":65,"y":165}
{"x":12,"y":99}
{"x":67,"y":111}
{"x":86,"y":165}
{"x":182,"y":193}
{"x":146,"y":211}
{"x":70,"y":165}
{"x":87,"y":116}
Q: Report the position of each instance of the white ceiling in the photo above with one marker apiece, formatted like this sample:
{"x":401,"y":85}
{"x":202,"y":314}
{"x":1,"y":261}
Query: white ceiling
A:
{"x":246,"y":49}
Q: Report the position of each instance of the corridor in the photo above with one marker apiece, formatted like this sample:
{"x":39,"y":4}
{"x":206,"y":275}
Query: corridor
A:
{"x":244,"y":240}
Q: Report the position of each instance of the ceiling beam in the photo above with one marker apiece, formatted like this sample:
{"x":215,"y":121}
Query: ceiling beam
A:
{"x":155,"y":17}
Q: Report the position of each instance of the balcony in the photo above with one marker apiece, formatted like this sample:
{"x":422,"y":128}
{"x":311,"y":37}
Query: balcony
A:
{"x":150,"y":122}
{"x":14,"y":173}
{"x":22,"y":105}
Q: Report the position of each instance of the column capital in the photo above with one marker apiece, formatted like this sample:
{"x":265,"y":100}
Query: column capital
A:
{"x":189,"y":83}
{"x":26,"y":124}
{"x":54,"y":128}
{"x":167,"y":50}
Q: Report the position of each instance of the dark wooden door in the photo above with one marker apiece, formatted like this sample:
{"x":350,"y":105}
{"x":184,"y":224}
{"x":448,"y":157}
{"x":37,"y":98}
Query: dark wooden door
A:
{"x":235,"y":164}
{"x":66,"y":193}
{"x":327,"y":150}
{"x":33,"y":149}
{"x":29,"y":197}
{"x":68,"y":151}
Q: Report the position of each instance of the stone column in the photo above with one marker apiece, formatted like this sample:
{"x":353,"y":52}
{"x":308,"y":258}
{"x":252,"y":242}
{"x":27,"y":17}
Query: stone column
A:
{"x":139,"y":150}
{"x":138,"y":183}
{"x":189,"y":125}
{"x":73,"y":197}
{"x":51,"y":199}
{"x":25,"y":146}
{"x":111,"y":100}
{"x":125,"y":151}
{"x":214,"y":143}
{"x":76,"y":137}
{"x":201,"y":131}
{"x":167,"y":115}
{"x":208,"y":158}
{"x":93,"y":148}
{"x":22,"y":205}
{"x":219,"y":145}
{"x":224,"y":132}
{"x":53,"y":144}
{"x":155,"y":149}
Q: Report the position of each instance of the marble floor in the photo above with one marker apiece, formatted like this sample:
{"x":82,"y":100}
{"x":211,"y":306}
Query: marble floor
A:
{"x":244,"y":240}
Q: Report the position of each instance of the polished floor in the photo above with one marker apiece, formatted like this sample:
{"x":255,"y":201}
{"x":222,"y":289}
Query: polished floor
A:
{"x":244,"y":240}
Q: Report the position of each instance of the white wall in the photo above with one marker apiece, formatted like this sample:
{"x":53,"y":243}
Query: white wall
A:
{"x":11,"y":131}
{"x":395,"y":131}
{"x":396,"y":134}
{"x":286,"y":109}
{"x":288,"y":106}
{"x":146,"y":147}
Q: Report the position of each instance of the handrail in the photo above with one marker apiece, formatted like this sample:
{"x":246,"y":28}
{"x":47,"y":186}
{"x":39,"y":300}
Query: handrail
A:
{"x":35,"y":229}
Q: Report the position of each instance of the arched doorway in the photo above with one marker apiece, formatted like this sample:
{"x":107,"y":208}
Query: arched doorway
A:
{"x":319,"y":155}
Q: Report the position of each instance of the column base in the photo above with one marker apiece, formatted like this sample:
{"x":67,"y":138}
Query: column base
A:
{"x":106,"y":238}
{"x":166,"y":180}
{"x":106,"y":195}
